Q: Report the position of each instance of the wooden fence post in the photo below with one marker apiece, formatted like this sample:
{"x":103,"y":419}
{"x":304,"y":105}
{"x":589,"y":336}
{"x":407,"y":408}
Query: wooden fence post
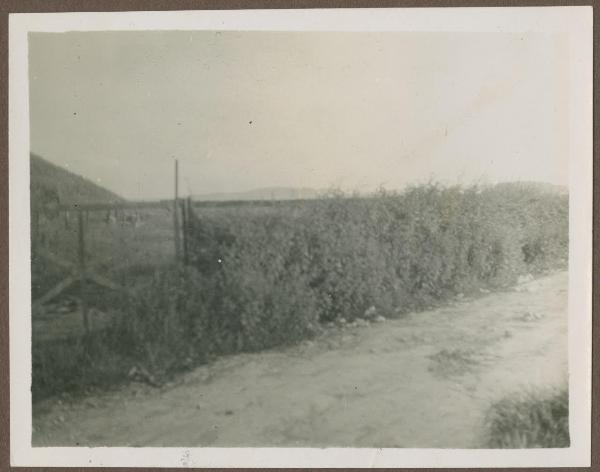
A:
{"x":189,"y":223}
{"x":81,"y":257}
{"x":184,"y":232}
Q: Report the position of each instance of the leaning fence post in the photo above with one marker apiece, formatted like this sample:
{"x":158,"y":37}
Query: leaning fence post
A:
{"x":81,"y":257}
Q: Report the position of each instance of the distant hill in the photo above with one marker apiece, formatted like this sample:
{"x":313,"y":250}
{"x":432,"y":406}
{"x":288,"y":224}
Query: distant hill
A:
{"x":303,"y":193}
{"x":51,"y":182}
{"x":268,"y":193}
{"x":541,"y":187}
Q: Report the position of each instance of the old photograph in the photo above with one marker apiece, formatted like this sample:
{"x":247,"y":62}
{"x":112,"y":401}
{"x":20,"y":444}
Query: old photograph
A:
{"x":300,"y":239}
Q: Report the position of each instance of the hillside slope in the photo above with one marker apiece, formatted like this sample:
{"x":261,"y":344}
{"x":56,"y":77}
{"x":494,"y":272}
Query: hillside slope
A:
{"x":51,"y":182}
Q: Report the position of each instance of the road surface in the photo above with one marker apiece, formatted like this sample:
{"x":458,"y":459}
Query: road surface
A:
{"x":425,"y":380}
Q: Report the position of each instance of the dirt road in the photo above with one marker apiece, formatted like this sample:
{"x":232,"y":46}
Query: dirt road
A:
{"x":425,"y":380}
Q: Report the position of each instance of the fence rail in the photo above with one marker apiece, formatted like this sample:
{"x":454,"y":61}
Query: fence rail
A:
{"x":80,"y":272}
{"x":116,"y":206}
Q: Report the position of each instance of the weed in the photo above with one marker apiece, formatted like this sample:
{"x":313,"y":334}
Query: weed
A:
{"x":530,"y":419}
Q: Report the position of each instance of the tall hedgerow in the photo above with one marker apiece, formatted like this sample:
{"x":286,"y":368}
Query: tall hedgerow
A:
{"x":258,"y":279}
{"x":274,"y":276}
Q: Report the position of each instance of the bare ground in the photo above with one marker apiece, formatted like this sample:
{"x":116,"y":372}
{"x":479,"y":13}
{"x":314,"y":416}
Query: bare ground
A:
{"x":425,"y":380}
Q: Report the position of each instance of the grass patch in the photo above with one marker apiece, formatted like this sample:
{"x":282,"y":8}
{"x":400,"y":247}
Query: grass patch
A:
{"x":532,"y":419}
{"x":451,"y":362}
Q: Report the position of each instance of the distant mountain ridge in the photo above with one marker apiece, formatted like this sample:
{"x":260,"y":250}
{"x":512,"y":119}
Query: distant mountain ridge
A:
{"x":543,"y":187}
{"x":49,"y":181}
{"x":267,"y":193}
{"x":304,"y":193}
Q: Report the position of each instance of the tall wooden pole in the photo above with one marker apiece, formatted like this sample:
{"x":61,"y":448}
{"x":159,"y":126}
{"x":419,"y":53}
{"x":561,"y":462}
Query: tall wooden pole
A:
{"x":81,"y":257}
{"x":176,"y":215}
{"x":184,"y":232}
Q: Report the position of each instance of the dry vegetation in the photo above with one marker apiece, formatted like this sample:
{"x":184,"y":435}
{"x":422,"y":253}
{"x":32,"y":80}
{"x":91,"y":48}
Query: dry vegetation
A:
{"x":530,"y":419}
{"x":259,"y":279}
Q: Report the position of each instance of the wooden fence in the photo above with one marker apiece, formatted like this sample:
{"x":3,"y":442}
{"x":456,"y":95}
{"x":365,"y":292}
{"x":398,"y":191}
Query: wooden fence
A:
{"x":80,"y":273}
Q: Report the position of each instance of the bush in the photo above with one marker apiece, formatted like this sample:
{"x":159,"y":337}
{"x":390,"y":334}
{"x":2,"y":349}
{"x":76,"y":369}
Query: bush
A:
{"x":259,"y":279}
{"x":529,"y":420}
{"x":339,"y":255}
{"x":75,"y":365}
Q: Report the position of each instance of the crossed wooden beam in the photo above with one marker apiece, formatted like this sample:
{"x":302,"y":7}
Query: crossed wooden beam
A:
{"x":76,"y":275}
{"x":79,"y":272}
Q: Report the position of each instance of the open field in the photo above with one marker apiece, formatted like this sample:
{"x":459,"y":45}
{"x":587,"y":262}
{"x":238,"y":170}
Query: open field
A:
{"x":380,"y":385}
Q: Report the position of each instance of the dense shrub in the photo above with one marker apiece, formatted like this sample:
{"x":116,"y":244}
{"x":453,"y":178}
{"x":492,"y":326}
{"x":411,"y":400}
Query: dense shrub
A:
{"x":530,"y":419}
{"x":341,"y":255}
{"x":74,"y":365}
{"x":258,"y":279}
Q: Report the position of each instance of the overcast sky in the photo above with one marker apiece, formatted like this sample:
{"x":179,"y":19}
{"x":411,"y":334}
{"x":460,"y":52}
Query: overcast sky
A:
{"x":245,"y":110}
